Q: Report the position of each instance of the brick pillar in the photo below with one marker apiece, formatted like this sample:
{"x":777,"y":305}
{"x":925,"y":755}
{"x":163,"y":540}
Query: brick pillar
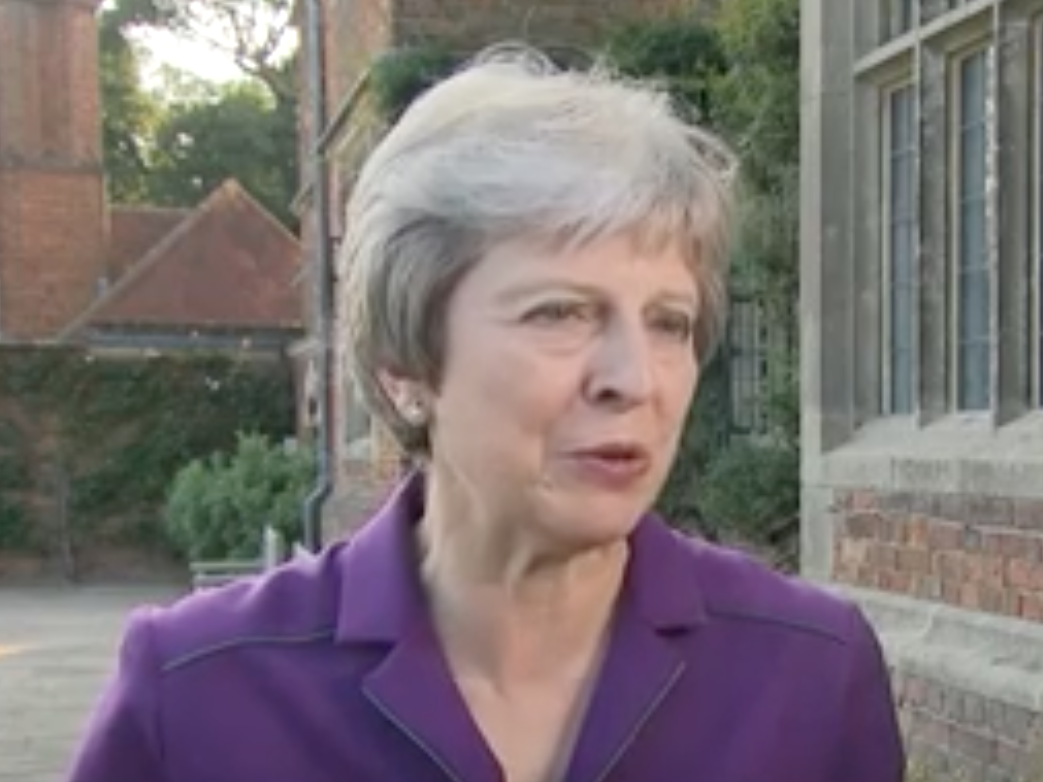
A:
{"x":52,"y":192}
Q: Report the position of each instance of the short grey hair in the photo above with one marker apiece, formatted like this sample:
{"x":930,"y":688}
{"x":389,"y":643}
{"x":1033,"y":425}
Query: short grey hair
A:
{"x":511,"y":148}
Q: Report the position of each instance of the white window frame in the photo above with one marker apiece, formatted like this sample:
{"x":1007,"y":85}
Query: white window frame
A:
{"x":955,"y":225}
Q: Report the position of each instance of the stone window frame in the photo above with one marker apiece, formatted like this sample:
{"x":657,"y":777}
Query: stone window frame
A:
{"x":1036,"y":219}
{"x":896,"y":17}
{"x":846,"y":442}
{"x":888,"y":154}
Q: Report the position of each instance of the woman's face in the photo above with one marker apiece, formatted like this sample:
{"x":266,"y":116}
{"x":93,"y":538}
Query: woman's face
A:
{"x":566,"y":381}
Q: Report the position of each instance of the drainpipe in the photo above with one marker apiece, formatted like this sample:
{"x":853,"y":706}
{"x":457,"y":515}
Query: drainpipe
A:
{"x":322,"y":271}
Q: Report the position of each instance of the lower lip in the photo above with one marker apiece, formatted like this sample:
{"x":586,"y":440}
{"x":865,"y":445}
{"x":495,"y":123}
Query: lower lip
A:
{"x":611,"y":473}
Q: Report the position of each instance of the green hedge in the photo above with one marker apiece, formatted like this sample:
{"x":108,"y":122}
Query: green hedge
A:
{"x":218,"y":507}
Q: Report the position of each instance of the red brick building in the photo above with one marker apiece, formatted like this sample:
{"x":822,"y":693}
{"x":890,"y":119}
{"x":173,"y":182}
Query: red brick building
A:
{"x":50,"y":166}
{"x":72,"y":267}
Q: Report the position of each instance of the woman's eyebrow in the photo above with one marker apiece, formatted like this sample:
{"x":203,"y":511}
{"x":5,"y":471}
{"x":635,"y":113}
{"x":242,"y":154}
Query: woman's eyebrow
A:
{"x":526,"y":290}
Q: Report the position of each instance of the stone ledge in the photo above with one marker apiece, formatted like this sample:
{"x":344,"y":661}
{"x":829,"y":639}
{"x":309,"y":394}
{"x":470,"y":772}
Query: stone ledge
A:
{"x":996,"y":657}
{"x":964,"y":454}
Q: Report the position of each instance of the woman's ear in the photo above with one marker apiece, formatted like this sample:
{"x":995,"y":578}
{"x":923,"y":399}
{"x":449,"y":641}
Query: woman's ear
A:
{"x":409,"y":398}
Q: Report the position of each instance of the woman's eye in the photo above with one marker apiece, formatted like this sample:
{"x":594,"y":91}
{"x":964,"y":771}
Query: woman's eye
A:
{"x":675,"y":324}
{"x":560,"y":312}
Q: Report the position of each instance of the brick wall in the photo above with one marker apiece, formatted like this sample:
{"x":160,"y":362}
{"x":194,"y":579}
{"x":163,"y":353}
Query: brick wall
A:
{"x":981,"y":554}
{"x":954,"y":732}
{"x":49,"y":95}
{"x":978,"y":553}
{"x":52,"y":248}
{"x":358,"y":31}
{"x":52,"y":204}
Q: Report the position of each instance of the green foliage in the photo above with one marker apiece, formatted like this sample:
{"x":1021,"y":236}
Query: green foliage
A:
{"x":14,"y":529}
{"x":174,"y":152}
{"x":752,"y":487}
{"x":235,"y":131}
{"x":682,"y":52}
{"x":118,"y":430}
{"x":737,"y":71}
{"x":129,"y":114}
{"x":758,"y":101}
{"x":218,"y":507}
{"x":758,"y":109}
{"x":13,"y":470}
{"x":706,"y":432}
{"x":257,"y":35}
{"x":400,"y":76}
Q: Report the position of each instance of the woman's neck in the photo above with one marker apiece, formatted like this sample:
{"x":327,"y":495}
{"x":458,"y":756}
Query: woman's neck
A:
{"x":507,"y":612}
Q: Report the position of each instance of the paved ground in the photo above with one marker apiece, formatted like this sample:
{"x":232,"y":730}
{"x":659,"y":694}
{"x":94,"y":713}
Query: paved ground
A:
{"x":57,"y":647}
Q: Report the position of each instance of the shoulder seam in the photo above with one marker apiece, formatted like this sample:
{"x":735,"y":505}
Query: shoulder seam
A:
{"x":187,"y":659}
{"x":810,"y":629}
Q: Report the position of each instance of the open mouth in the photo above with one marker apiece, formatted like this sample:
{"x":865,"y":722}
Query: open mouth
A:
{"x":616,"y":453}
{"x":615,"y":461}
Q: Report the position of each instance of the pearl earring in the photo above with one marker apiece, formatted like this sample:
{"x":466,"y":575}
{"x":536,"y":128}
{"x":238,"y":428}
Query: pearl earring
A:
{"x":414,"y":413}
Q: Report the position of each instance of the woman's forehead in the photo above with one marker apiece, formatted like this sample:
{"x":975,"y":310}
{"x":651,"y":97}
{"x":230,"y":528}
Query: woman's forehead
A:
{"x":516,"y":270}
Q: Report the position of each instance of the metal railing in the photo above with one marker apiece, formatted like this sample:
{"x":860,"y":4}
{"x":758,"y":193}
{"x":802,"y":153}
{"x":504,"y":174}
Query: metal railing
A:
{"x":207,"y":574}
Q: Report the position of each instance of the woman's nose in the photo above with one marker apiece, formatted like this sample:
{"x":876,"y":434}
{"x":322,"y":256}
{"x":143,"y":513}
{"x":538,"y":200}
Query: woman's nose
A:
{"x":620,"y":372}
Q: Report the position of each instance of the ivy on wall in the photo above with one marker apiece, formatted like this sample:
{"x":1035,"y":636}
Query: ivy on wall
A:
{"x":89,"y":444}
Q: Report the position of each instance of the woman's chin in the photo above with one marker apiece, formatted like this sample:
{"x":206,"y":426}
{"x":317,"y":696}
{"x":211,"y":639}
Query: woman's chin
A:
{"x":593,"y":524}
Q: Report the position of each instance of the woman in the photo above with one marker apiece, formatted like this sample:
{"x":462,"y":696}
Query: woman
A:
{"x":536,"y":275}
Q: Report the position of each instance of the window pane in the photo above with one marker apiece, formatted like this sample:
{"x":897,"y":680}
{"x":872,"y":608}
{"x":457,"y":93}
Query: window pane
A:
{"x":973,"y":239}
{"x":974,"y":377}
{"x":974,"y":306}
{"x":972,"y":85}
{"x":902,"y":253}
{"x":902,"y":188}
{"x":899,"y":267}
{"x":902,"y":318}
{"x":973,"y":331}
{"x":973,"y":158}
{"x":902,"y":381}
{"x":901,"y":125}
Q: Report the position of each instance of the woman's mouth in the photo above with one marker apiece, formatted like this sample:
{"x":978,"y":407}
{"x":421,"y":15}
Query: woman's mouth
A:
{"x":615,"y":465}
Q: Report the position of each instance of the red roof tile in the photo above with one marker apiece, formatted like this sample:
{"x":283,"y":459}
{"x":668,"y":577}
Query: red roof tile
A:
{"x":229,"y":264}
{"x":134,"y":230}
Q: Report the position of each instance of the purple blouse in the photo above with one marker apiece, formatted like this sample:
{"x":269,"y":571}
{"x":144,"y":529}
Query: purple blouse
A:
{"x":328,"y":670}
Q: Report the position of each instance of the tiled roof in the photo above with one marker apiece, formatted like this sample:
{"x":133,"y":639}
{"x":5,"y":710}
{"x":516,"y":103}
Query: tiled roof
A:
{"x":134,"y":230}
{"x":229,"y":264}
